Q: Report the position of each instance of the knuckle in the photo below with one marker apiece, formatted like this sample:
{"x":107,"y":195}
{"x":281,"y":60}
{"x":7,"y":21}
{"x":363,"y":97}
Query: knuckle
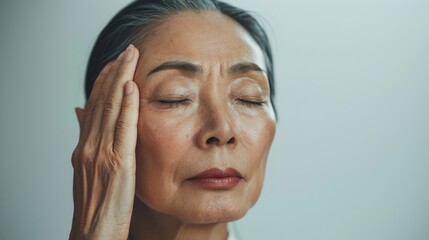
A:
{"x":109,"y":162}
{"x":106,"y":159}
{"x":127,"y":104}
{"x":75,"y":157}
{"x":86,"y":153}
{"x":114,"y":68}
{"x":123,"y":70}
{"x":101,"y":97}
{"x":82,"y":156}
{"x":122,"y":124}
{"x":111,"y":165}
{"x":110,"y":104}
{"x":100,"y":101}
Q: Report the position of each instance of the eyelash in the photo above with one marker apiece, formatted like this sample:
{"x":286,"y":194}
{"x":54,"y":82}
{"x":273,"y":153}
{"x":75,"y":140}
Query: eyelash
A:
{"x":250,"y":103}
{"x":173,"y":103}
{"x":184,"y":102}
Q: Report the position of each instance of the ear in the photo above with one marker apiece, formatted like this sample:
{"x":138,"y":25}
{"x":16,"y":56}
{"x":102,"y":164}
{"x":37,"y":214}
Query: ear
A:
{"x":80,"y":112}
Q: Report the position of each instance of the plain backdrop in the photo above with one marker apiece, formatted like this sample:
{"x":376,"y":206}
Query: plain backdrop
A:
{"x":351,"y":156}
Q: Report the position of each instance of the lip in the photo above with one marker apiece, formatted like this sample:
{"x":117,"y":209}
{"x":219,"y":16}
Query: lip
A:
{"x":214,"y":178}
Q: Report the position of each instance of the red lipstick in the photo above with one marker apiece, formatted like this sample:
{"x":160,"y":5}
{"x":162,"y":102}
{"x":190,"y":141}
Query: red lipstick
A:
{"x":214,"y":178}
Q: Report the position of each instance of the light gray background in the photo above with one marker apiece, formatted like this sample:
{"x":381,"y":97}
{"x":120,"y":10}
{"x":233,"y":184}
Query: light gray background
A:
{"x":351,"y":155}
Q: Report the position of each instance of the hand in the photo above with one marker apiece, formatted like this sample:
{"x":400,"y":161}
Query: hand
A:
{"x":104,"y":159}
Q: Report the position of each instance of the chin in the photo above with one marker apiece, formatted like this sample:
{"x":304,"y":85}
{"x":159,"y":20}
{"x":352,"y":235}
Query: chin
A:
{"x":213,"y":211}
{"x":202,"y":211}
{"x":210,"y":215}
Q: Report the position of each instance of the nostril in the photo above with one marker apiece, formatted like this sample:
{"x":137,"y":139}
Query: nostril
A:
{"x":212,"y":140}
{"x":232,"y":140}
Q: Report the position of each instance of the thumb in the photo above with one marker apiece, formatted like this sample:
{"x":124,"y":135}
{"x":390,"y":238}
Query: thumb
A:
{"x":80,"y":115}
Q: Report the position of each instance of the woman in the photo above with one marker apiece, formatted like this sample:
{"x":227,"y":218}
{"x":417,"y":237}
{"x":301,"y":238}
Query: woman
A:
{"x":177,"y":128}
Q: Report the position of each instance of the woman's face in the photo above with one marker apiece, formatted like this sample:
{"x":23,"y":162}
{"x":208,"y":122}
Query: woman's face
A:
{"x":204,"y":105}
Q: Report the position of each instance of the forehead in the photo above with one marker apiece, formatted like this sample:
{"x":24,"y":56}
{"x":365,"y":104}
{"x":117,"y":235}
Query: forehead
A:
{"x":205,"y":37}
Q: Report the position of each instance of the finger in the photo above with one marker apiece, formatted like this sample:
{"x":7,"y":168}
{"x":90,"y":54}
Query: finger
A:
{"x":80,"y":115}
{"x":98,"y":103}
{"x":126,"y":127}
{"x":89,"y":111}
{"x":113,"y":103}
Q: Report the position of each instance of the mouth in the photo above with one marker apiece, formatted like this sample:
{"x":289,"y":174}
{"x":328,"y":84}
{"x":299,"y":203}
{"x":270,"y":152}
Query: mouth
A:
{"x":217,"y":179}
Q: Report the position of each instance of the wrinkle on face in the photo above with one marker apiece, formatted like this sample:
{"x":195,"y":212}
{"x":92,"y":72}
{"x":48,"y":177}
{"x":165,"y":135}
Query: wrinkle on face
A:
{"x":193,"y":57}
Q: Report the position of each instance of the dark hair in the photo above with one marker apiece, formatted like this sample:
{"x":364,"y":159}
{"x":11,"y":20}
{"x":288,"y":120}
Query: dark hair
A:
{"x":135,"y":23}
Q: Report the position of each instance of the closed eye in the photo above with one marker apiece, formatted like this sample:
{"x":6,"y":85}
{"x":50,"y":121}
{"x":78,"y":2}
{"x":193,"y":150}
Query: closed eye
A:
{"x":168,"y":103}
{"x":249,"y":103}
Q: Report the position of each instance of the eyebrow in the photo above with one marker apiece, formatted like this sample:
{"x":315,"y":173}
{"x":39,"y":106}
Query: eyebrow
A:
{"x":242,"y":67}
{"x":179,"y":65}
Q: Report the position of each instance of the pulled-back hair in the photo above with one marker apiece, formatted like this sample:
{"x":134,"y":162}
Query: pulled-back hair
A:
{"x":135,"y":23}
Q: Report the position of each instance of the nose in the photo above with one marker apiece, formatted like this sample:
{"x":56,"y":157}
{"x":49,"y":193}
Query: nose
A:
{"x":217,"y":128}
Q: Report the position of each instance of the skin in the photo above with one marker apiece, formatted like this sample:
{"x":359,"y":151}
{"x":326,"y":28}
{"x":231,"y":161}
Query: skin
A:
{"x":104,"y":158}
{"x":137,"y":148}
{"x":173,"y":145}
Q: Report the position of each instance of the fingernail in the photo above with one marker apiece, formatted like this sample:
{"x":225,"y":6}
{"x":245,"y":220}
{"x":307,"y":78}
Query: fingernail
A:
{"x":129,"y":87}
{"x":126,"y":55}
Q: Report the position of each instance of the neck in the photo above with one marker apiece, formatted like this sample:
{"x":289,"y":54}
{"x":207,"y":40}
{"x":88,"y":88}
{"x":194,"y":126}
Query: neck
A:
{"x":149,"y":224}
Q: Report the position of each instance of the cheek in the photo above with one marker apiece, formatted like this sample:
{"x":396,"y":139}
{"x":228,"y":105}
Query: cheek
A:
{"x":161,"y":147}
{"x":257,"y":137}
{"x":257,"y":143}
